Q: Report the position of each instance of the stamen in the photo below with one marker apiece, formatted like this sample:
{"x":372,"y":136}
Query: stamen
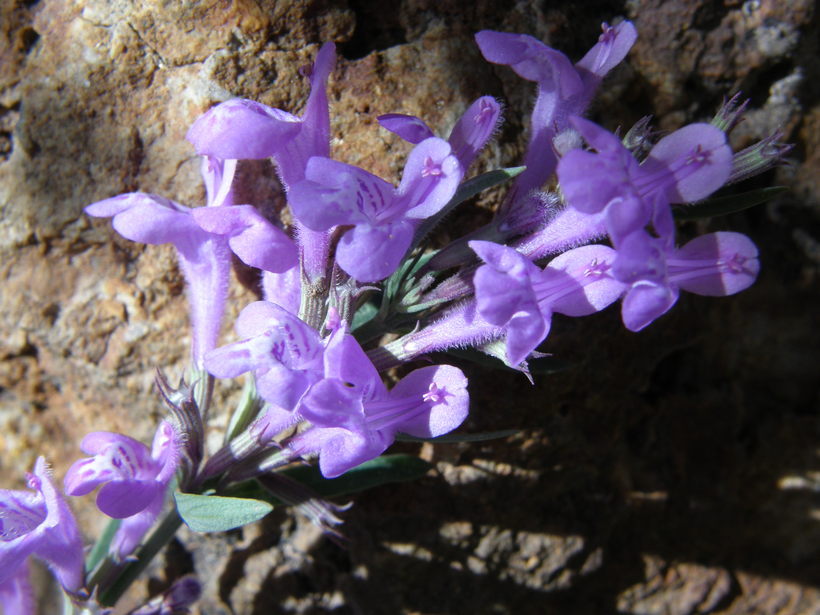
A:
{"x":687,"y":269}
{"x":607,"y":34}
{"x":485,"y":111}
{"x":596,"y":269}
{"x":431,"y":168}
{"x":435,"y":394}
{"x":698,"y":156}
{"x":384,"y":413}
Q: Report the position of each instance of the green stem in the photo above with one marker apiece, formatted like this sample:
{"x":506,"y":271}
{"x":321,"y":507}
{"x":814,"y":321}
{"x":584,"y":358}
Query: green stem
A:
{"x":100,"y":551}
{"x":161,"y":536}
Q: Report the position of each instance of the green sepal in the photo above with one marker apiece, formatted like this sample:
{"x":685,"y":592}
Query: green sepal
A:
{"x":397,"y":283}
{"x":216,"y":513}
{"x":246,"y":410}
{"x":723,"y":205}
{"x":403,"y":291}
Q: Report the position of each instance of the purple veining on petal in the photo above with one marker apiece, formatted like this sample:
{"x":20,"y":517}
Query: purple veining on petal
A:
{"x":132,"y":479}
{"x":38,"y":522}
{"x":354,"y":418}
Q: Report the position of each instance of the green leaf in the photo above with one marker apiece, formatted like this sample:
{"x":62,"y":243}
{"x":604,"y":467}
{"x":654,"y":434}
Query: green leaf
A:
{"x":363,"y":315}
{"x":542,"y":365}
{"x":465,"y":191}
{"x":482,"y":182}
{"x":464,"y":437}
{"x":724,"y":205}
{"x":374,"y":473}
{"x":215,"y":513}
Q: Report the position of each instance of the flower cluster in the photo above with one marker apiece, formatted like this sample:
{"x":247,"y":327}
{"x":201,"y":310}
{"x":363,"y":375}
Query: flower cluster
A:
{"x":356,"y":265}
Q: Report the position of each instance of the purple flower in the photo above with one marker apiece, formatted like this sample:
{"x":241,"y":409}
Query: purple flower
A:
{"x":383,"y":218}
{"x":716,"y":264}
{"x":250,"y":236}
{"x":284,"y":353}
{"x":244,"y":129}
{"x":612,"y":46}
{"x":513,"y":293}
{"x":202,"y":238}
{"x":203,"y":257}
{"x":37,"y":522}
{"x":134,"y":480}
{"x":355,"y":418}
{"x":563,"y":89}
{"x":472,"y":131}
{"x":685,"y":166}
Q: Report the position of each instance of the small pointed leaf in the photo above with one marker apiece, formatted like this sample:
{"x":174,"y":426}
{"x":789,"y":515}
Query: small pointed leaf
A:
{"x":214,"y":513}
{"x":463,"y":437}
{"x":540,"y":365}
{"x":379,"y":471}
{"x":465,"y":191}
{"x":724,"y":205}
{"x":482,"y":182}
{"x":363,"y":315}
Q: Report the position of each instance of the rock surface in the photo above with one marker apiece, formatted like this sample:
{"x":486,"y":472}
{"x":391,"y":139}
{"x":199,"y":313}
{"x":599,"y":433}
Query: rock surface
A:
{"x":673,"y":471}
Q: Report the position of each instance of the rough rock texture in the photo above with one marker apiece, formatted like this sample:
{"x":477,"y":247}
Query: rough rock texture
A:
{"x":674,"y":471}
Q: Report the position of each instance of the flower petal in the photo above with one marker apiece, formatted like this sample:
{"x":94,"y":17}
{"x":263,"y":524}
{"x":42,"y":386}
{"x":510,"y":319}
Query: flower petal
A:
{"x":252,"y":238}
{"x":345,"y":360}
{"x":408,"y":127}
{"x":474,"y":129}
{"x":430,"y":179}
{"x":336,"y":193}
{"x":284,"y":289}
{"x":444,"y":389}
{"x":285,"y":387}
{"x":611,"y":48}
{"x":313,"y":138}
{"x":124,"y":498}
{"x":530,"y":59}
{"x":524,"y":332}
{"x":16,"y":592}
{"x":645,"y":302}
{"x":346,"y":450}
{"x":331,"y":403}
{"x":371,"y":253}
{"x":503,"y":287}
{"x":596,"y":289}
{"x":697,"y":158}
{"x":242,"y":129}
{"x":716,"y":264}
